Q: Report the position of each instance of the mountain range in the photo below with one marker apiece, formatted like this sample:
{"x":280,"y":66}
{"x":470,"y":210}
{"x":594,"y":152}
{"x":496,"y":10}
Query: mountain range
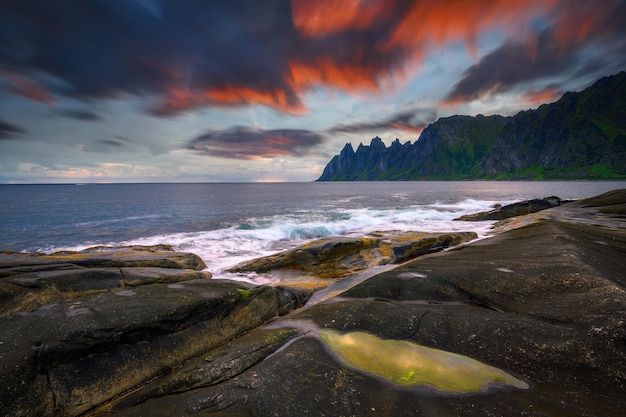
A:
{"x":580,"y":136}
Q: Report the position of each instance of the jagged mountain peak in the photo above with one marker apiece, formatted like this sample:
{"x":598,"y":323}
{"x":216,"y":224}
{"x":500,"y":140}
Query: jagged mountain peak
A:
{"x":582,"y":135}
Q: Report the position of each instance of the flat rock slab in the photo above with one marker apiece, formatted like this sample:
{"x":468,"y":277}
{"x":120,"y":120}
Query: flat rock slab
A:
{"x":545,"y":303}
{"x":30,"y":280}
{"x":80,"y":328}
{"x":162,"y":256}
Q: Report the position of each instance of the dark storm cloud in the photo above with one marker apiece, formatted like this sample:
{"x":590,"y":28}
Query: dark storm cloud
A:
{"x":113,"y":143}
{"x":193,"y":53}
{"x":175,"y":50}
{"x":9,"y":131}
{"x":245,"y":143}
{"x":585,"y":39}
{"x":409,"y":121}
{"x":85,"y":115}
{"x":182,"y":55}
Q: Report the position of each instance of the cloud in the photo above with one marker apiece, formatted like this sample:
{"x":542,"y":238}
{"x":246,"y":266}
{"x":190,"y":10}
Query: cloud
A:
{"x":113,"y":143}
{"x":191,"y":54}
{"x":245,"y":143}
{"x":110,"y":145}
{"x":184,"y":54}
{"x":548,"y":94}
{"x":26,"y":87}
{"x":581,"y":39}
{"x":85,"y":115}
{"x":412,"y":121}
{"x":9,"y":131}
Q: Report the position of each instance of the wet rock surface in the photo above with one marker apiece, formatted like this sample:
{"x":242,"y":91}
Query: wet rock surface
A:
{"x":337,"y":257}
{"x":30,"y":280}
{"x":545,"y":303}
{"x":80,"y":328}
{"x":515,"y":209}
{"x":542,"y":304}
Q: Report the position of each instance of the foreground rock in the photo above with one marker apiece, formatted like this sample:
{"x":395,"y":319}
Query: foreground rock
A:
{"x":539,"y":312}
{"x":30,"y":280}
{"x":337,"y":257}
{"x":515,"y":209}
{"x":78,"y":329}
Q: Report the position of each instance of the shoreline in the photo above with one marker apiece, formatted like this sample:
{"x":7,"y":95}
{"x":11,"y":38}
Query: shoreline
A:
{"x":135,"y":331}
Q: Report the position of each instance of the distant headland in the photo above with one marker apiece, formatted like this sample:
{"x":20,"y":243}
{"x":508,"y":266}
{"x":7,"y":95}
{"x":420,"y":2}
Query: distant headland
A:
{"x":580,"y":136}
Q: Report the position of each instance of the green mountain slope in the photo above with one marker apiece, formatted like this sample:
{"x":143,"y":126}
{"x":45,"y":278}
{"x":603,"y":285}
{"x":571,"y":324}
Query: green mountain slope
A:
{"x":581,"y":136}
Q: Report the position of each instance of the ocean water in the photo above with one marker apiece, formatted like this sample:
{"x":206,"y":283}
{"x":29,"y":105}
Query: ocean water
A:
{"x":232,"y":222}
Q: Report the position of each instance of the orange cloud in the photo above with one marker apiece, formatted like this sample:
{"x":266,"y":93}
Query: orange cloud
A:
{"x":347,"y":76}
{"x":578,"y":21}
{"x":407,"y":128}
{"x":181,"y":99}
{"x":25,"y":87}
{"x":325,"y":17}
{"x":241,"y":53}
{"x":300,"y":78}
{"x":278,"y":99}
{"x":538,"y":97}
{"x":436,"y":23}
{"x":417,"y":24}
{"x":402,"y":33}
{"x":559,"y":49}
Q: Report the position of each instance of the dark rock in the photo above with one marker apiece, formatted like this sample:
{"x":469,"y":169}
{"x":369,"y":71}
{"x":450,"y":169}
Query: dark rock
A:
{"x":515,"y":209}
{"x":337,"y":257}
{"x":160,"y":256}
{"x":74,"y":337}
{"x":216,"y":366}
{"x":612,"y":202}
{"x":28,"y":281}
{"x":544,"y":302}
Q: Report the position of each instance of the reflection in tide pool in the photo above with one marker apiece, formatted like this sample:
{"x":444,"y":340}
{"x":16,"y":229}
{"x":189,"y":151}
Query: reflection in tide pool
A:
{"x":411,"y":365}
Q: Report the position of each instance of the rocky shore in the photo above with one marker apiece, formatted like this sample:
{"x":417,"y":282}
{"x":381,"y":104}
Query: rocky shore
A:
{"x":529,"y":322}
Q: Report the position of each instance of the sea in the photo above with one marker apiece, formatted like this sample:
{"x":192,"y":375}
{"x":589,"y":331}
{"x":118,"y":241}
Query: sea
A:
{"x":228,"y":223}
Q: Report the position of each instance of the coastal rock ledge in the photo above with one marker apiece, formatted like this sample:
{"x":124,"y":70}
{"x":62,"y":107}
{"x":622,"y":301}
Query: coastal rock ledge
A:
{"x":78,"y":329}
{"x":530,"y":322}
{"x":339,"y":257}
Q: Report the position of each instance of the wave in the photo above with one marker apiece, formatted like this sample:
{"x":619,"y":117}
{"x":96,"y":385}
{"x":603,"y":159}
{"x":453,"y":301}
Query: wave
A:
{"x":255,"y":237}
{"x":230,"y":244}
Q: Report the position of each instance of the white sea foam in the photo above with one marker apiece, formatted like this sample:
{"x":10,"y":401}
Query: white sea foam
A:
{"x":229,"y":223}
{"x":256,"y":237}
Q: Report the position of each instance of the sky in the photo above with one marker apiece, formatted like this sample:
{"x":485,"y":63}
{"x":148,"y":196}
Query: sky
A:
{"x":270,"y":90}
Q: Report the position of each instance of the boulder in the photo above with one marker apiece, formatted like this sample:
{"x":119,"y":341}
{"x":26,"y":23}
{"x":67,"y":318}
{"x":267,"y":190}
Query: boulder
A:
{"x":515,"y":209}
{"x":338,"y":257}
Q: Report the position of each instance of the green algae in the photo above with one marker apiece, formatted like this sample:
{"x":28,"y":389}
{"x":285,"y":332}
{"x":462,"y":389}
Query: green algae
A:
{"x":411,"y":365}
{"x":245,"y":293}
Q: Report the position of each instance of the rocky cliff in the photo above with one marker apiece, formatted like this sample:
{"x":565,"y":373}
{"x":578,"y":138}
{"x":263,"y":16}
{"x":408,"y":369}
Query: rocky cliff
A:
{"x":582,"y":135}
